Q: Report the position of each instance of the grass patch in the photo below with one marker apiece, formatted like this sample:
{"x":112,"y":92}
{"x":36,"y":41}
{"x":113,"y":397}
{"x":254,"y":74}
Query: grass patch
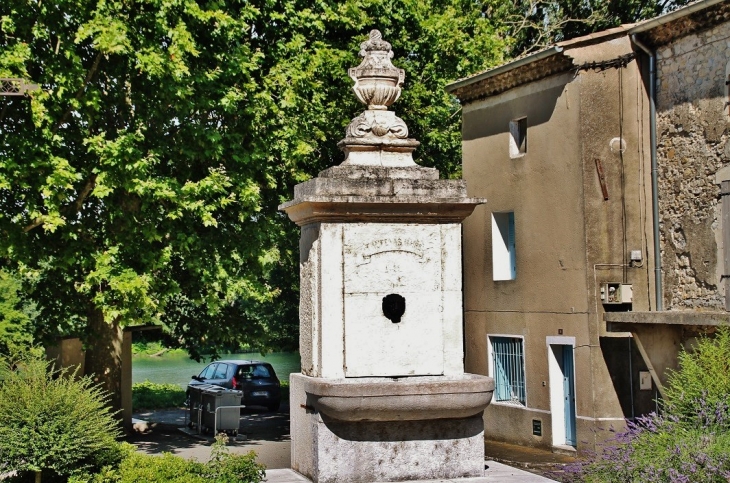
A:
{"x":150,"y":395}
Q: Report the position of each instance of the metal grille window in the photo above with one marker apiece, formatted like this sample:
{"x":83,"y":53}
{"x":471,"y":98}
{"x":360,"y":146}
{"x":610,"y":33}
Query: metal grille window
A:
{"x":508,"y":366}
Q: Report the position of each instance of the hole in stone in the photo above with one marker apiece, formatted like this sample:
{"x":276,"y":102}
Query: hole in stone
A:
{"x":394,"y":306}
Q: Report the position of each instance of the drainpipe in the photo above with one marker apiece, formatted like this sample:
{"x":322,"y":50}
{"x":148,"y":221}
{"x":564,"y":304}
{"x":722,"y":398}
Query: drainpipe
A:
{"x":654,"y":171}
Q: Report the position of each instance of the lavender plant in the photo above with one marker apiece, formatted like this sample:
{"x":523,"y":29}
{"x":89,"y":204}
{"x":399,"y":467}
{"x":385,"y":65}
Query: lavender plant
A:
{"x":688,"y":442}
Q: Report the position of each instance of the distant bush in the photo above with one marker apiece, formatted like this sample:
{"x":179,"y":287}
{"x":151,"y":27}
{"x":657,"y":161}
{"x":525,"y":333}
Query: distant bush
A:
{"x":285,"y":390}
{"x":150,"y":395}
{"x":153,"y":348}
{"x":51,"y":423}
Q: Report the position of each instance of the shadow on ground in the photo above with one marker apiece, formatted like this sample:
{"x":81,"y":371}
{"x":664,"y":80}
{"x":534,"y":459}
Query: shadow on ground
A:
{"x":266,"y":433}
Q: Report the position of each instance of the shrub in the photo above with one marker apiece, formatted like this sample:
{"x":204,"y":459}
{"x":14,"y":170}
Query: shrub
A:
{"x":664,"y":449}
{"x":51,"y":422}
{"x":703,"y":374}
{"x":167,"y":468}
{"x":150,"y":395}
{"x":223,"y":467}
{"x":689,"y":442}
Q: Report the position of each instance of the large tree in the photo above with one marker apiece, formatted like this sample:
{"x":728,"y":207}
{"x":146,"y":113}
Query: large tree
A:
{"x":141,"y":182}
{"x":535,"y":24}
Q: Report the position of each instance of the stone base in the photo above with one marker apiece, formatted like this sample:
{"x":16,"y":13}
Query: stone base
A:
{"x":328,"y":450}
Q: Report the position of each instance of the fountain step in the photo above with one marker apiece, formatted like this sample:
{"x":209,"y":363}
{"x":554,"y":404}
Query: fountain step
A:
{"x":495,"y":472}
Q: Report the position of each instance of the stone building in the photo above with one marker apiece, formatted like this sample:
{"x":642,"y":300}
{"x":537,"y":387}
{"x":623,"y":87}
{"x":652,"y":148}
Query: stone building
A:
{"x":595,"y":155}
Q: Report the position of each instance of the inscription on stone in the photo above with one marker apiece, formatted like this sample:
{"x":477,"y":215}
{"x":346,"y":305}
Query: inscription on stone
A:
{"x":392,"y":258}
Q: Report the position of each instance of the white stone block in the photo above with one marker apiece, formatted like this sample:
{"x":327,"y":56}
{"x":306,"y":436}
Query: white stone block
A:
{"x":331,"y":300}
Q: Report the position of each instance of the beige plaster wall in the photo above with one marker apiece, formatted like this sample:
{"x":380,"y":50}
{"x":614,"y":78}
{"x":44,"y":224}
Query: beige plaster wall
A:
{"x":692,"y":146}
{"x":541,"y":188}
{"x":568,"y":238}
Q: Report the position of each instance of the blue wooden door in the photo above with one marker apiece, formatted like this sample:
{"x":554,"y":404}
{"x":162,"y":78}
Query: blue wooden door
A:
{"x":569,"y":395}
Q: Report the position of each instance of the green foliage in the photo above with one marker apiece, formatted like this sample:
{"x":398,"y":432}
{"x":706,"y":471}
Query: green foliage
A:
{"x":690,"y":441}
{"x":52,"y":422}
{"x":150,"y":395}
{"x":665,"y":449}
{"x":15,"y":316}
{"x":539,"y":23}
{"x":285,"y":389}
{"x":223,"y":467}
{"x":704,"y":373}
{"x":168,"y":468}
{"x":152,"y":348}
{"x":144,"y":178}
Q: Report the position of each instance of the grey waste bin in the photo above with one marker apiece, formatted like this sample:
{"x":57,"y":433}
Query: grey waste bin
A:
{"x":214,"y":408}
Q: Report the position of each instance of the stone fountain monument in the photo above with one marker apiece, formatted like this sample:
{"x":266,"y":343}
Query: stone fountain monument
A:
{"x":382,"y":395}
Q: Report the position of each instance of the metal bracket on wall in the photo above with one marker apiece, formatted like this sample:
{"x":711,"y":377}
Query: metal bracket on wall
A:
{"x":602,"y":179}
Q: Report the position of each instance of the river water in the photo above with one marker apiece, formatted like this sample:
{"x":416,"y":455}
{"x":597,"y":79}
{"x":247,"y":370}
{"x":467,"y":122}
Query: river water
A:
{"x":177,"y":368}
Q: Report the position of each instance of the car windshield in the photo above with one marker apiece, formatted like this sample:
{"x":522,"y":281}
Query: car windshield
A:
{"x":208,"y":372}
{"x":254,"y":371}
{"x":220,"y":372}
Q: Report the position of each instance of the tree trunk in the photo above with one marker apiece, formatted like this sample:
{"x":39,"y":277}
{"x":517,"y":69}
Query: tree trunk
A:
{"x":37,"y":477}
{"x":104,"y":356}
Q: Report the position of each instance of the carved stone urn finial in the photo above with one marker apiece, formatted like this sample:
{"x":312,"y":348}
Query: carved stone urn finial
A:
{"x":377,"y":81}
{"x":377,"y":137}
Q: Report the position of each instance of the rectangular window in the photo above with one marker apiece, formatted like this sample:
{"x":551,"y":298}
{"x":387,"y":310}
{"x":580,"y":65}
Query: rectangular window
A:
{"x":508,"y":369}
{"x":518,"y":137}
{"x":504,"y":261}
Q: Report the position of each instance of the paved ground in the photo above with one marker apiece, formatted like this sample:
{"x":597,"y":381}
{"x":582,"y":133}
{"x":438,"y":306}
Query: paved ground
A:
{"x":494,"y":473}
{"x":267,"y":434}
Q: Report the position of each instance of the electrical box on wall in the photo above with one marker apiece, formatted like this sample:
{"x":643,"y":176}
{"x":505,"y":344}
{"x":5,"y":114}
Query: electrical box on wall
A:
{"x":645,"y":380}
{"x":616,"y":293}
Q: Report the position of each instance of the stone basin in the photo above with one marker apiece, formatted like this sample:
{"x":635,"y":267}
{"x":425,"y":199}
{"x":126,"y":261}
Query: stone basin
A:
{"x":399,"y":399}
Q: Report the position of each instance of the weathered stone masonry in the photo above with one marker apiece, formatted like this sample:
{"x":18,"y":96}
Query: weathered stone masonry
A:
{"x":691,"y":148}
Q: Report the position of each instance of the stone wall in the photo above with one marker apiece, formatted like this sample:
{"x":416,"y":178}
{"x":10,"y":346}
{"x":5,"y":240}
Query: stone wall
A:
{"x":691,"y":148}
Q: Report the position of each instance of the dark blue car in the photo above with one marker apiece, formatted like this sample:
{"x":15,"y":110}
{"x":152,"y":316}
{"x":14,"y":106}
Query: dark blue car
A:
{"x":256,"y":379}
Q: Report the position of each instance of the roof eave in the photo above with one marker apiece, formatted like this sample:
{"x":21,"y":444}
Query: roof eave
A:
{"x":543,"y":54}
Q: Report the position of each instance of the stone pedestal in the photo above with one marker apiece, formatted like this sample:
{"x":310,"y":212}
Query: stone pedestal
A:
{"x":382,"y":395}
{"x":393,"y":430}
{"x":378,"y":399}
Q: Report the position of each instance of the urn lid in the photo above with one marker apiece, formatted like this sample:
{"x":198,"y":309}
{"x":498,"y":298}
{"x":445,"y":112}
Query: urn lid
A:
{"x":377,"y":81}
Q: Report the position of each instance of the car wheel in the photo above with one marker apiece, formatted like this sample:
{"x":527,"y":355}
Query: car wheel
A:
{"x":273,"y":407}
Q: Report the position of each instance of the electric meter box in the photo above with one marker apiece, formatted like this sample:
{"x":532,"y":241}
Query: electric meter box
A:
{"x":616,"y":293}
